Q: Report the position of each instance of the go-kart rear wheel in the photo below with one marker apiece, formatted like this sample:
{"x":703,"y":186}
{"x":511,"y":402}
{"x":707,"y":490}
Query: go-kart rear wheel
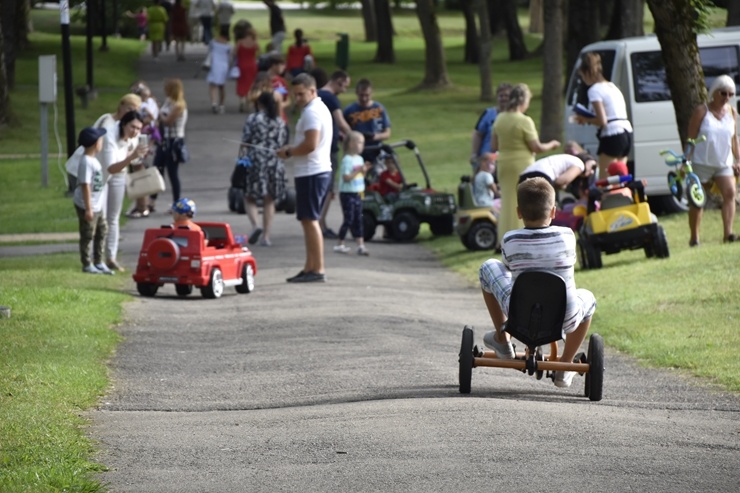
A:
{"x":695,"y":192}
{"x":595,"y":376}
{"x":660,"y":243}
{"x":215,"y":287}
{"x":482,"y":236}
{"x":368,"y":226}
{"x":183,"y":289}
{"x":288,"y":202}
{"x":247,"y":285}
{"x":163,"y":254}
{"x":466,"y":360}
{"x":405,"y":226}
{"x":593,"y":254}
{"x":147,"y":289}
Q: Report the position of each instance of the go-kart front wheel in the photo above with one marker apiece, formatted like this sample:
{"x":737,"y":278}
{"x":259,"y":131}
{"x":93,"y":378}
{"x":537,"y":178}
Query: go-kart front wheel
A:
{"x":247,"y":285}
{"x":405,"y":226}
{"x":694,"y":191}
{"x":466,"y":360}
{"x":595,"y":376}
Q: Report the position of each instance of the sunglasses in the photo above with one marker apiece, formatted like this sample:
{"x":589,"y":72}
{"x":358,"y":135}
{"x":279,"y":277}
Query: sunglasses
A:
{"x":727,"y":94}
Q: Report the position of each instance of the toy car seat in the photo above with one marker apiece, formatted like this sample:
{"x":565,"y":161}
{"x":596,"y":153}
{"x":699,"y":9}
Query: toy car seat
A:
{"x":537,"y":309}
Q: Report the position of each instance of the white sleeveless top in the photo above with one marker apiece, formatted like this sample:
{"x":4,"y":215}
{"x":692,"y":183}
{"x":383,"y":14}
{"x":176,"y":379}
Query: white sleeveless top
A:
{"x":716,"y":151}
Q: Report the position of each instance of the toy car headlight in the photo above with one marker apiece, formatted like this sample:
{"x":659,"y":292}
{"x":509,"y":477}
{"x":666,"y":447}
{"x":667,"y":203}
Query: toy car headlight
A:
{"x":427,"y":201}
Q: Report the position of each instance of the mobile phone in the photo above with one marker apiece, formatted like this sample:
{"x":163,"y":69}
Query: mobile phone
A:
{"x":143,"y":140}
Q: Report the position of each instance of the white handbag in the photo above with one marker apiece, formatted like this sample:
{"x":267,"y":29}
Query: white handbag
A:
{"x":144,"y":182}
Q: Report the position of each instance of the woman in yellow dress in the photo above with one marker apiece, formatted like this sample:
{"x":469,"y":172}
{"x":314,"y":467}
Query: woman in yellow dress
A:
{"x":157,"y":18}
{"x":516,"y":140}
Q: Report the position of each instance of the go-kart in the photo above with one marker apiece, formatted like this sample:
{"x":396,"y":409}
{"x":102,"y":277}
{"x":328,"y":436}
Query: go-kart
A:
{"x":210,"y":260}
{"x":623,"y":222}
{"x":476,"y":225}
{"x":403,"y":214}
{"x":536,"y":313}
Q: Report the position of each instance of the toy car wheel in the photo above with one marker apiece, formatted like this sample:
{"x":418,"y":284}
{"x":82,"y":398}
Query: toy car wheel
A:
{"x":660,"y":243}
{"x":593,"y":254}
{"x":183,"y":289}
{"x":147,"y":289}
{"x":247,"y":285}
{"x":466,"y":360}
{"x":695,"y":192}
{"x":368,"y":226}
{"x":215,"y":287}
{"x":405,"y":226}
{"x":288,"y":203}
{"x":442,"y":226}
{"x":595,"y":376}
{"x":163,"y":254}
{"x":482,"y":236}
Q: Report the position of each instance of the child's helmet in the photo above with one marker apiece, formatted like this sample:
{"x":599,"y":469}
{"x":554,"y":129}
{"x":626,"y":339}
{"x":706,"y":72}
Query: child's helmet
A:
{"x":184,"y":206}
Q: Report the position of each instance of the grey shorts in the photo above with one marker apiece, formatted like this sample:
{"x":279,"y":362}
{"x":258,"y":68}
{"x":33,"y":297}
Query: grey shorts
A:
{"x":707,"y":173}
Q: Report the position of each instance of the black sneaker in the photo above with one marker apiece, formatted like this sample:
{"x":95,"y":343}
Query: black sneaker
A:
{"x":293,"y":279}
{"x":329,"y":234}
{"x":311,"y":277}
{"x":255,"y":236}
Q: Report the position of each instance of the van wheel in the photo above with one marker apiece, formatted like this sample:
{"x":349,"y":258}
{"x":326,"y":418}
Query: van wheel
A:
{"x":368,"y":226}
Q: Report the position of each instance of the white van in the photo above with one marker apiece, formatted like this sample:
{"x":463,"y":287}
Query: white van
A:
{"x":636,"y":66}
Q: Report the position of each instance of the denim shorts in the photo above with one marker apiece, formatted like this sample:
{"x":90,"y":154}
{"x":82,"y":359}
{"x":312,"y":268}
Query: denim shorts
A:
{"x":310,"y":193}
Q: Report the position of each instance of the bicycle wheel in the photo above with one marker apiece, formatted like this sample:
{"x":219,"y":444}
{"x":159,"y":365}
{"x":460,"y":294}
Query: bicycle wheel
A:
{"x":674,"y":185}
{"x":694,"y":191}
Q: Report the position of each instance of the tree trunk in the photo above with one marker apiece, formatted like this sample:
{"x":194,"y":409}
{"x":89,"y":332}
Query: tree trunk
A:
{"x":674,"y":27}
{"x":536,"y":18}
{"x":4,"y":90}
{"x":551,"y":125}
{"x":368,"y":20}
{"x":517,"y":48}
{"x":9,"y":8}
{"x":486,"y":46}
{"x":583,"y":28}
{"x":627,"y":19}
{"x":435,"y":67}
{"x":472,"y":49}
{"x":495,"y":16}
{"x":733,"y":13}
{"x":384,"y":53}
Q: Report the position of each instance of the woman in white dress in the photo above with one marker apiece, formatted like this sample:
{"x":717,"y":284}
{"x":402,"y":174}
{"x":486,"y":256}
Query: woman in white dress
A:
{"x":220,"y":51}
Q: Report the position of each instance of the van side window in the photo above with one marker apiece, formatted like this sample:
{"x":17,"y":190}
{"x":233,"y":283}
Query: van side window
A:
{"x":648,"y":71}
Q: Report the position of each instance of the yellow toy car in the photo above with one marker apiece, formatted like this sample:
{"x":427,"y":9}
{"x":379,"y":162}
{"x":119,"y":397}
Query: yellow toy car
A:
{"x":476,"y":225}
{"x":622,"y":222}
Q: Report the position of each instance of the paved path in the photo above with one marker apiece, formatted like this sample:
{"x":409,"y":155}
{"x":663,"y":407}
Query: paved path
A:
{"x":352,"y":385}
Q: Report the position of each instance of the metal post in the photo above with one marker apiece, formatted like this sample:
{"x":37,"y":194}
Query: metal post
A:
{"x":103,"y":27}
{"x":44,"y":145}
{"x":69,"y":108}
{"x":89,"y":35}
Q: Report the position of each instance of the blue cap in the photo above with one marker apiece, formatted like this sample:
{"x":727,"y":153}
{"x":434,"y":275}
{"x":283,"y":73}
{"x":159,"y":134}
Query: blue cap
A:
{"x":89,"y":136}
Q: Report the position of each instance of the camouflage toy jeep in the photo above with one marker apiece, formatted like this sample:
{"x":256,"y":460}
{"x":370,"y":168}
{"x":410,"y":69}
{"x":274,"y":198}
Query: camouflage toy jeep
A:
{"x":402,"y":215}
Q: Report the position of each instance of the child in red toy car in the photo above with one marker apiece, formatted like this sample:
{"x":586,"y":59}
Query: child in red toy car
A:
{"x":182,"y":214}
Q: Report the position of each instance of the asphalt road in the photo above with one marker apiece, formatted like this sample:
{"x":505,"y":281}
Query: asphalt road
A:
{"x":352,"y":385}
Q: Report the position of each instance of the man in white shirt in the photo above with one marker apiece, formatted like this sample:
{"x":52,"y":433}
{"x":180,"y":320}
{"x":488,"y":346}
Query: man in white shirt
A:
{"x":310,"y":153}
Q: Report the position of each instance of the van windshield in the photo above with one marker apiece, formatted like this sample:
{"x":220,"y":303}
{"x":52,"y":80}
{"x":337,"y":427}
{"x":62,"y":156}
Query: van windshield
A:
{"x":649,"y":78}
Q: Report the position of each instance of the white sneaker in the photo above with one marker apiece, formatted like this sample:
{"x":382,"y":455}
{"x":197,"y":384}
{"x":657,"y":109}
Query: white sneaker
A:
{"x":563,"y":379}
{"x":90,"y":269}
{"x":104,"y":269}
{"x":362,"y":251}
{"x":342,"y":249}
{"x":221,"y":110}
{"x":504,"y":350}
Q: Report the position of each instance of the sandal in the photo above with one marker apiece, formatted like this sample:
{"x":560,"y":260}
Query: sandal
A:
{"x":732,"y":238}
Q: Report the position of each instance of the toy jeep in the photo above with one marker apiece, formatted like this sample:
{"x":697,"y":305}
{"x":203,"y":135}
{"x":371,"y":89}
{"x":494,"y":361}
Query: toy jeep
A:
{"x":403,"y":214}
{"x":210,"y":260}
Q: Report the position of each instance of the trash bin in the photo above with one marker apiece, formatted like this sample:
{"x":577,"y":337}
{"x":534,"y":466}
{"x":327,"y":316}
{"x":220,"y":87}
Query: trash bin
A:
{"x":342,"y":58}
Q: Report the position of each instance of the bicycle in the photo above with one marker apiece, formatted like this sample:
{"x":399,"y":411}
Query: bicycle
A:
{"x":683,"y":183}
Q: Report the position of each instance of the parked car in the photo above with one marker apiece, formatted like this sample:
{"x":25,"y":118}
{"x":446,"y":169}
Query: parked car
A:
{"x":210,"y":260}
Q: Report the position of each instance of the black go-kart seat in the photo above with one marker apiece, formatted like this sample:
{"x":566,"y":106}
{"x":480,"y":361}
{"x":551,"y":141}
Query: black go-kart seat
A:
{"x":537,"y":308}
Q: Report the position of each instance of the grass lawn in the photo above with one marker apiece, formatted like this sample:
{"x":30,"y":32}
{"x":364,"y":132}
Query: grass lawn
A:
{"x":678,"y":313}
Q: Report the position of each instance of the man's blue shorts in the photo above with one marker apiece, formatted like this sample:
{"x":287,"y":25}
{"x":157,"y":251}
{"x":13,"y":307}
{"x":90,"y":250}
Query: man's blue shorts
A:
{"x":310,"y":192}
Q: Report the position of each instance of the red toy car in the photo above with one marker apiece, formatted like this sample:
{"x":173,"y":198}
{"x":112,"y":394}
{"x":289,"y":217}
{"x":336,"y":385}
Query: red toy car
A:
{"x":209,"y":259}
